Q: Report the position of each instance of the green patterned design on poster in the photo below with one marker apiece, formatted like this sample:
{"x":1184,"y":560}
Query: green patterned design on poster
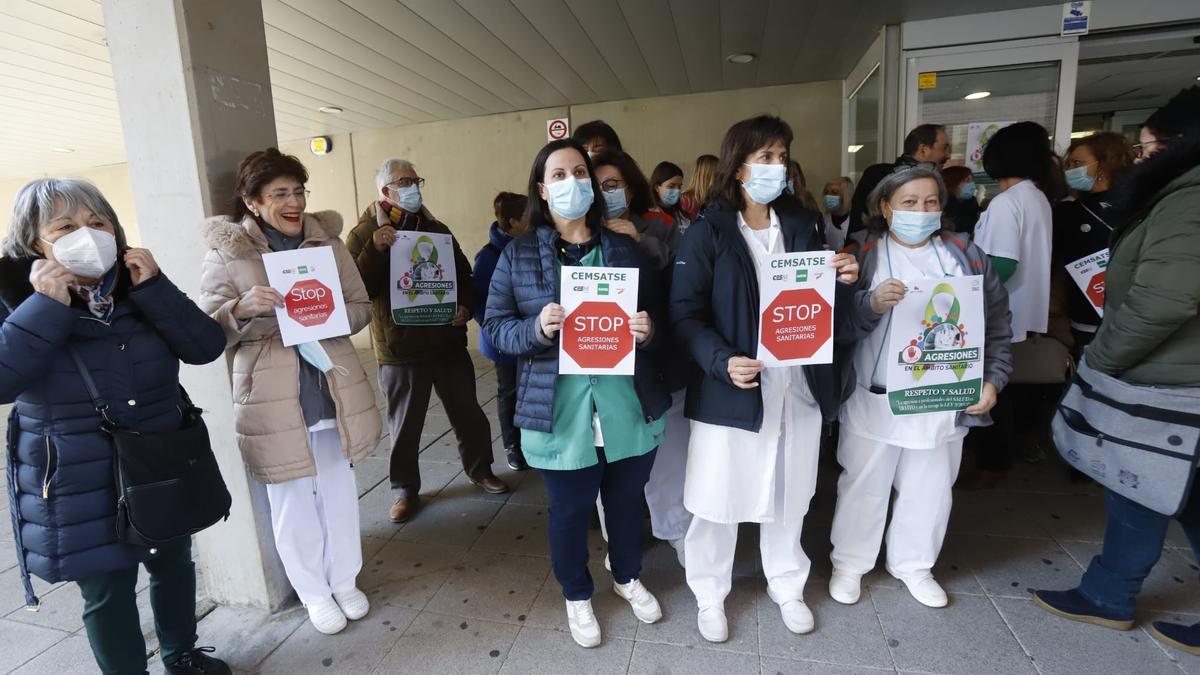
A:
{"x":942,"y":339}
{"x":425,"y":276}
{"x":935,"y":398}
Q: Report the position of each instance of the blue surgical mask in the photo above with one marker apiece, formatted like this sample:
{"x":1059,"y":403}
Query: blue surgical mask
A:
{"x":570,"y":198}
{"x":833,"y":202}
{"x":1079,"y":179}
{"x":670,"y":196}
{"x":766,"y":182}
{"x":614,"y":203}
{"x":966,"y":191}
{"x":914,"y":227}
{"x":408,"y":198}
{"x":315,"y":355}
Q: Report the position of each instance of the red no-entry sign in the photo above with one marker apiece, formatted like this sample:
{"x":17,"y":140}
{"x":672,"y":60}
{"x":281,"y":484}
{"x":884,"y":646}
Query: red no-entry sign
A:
{"x":557,"y":129}
{"x":309,"y":302}
{"x":1095,"y":289}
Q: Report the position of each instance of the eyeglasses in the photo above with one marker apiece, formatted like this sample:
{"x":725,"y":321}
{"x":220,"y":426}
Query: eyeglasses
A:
{"x":406,"y":182}
{"x":1140,"y":149}
{"x":612,"y":185}
{"x":283,"y":195}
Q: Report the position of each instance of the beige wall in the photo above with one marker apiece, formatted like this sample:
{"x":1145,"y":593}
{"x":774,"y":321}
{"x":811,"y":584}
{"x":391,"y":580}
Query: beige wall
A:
{"x":113,"y":181}
{"x":330,"y":177}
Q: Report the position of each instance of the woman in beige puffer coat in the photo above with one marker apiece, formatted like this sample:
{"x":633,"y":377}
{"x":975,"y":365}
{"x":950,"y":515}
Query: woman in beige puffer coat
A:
{"x":301,"y":424}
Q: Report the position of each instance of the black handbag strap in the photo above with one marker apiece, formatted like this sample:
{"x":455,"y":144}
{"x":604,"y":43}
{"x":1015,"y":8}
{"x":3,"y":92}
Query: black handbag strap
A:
{"x":98,"y":401}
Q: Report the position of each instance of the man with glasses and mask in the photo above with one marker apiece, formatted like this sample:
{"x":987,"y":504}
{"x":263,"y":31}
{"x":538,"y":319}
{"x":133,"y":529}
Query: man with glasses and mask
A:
{"x":413,"y":360}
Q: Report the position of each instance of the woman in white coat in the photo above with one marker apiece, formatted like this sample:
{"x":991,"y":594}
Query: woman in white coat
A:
{"x":755,"y":433}
{"x":917,"y":455}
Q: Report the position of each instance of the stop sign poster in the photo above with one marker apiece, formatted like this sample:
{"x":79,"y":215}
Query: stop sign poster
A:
{"x":424,"y":279}
{"x":935,"y":354}
{"x":313,"y":307}
{"x":1089,"y":273}
{"x":597,"y":305}
{"x":795,"y":293}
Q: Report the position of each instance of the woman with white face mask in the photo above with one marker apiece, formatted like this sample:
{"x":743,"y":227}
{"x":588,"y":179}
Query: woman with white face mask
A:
{"x":755,"y":432}
{"x":917,"y":455}
{"x":628,"y":207}
{"x":587,"y":436}
{"x":71,"y":287}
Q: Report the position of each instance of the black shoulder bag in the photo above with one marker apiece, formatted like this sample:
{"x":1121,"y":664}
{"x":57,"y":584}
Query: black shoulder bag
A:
{"x":168,"y":483}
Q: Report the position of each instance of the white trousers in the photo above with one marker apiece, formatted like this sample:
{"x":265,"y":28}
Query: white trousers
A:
{"x":669,"y":519}
{"x":316,"y":526}
{"x":709,"y":549}
{"x":922,"y":478}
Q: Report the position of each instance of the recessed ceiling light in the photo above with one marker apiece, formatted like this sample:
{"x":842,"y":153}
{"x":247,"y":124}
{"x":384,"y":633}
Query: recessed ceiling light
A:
{"x":976,"y":95}
{"x":853,"y":148}
{"x":63,"y":151}
{"x":330,"y":110}
{"x":740,"y":58}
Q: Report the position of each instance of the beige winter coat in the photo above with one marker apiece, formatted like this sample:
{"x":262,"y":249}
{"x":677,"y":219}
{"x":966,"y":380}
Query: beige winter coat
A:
{"x":271,"y":432}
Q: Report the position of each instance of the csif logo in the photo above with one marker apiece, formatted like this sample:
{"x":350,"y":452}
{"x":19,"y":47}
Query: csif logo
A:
{"x":802,"y":275}
{"x":602,"y":289}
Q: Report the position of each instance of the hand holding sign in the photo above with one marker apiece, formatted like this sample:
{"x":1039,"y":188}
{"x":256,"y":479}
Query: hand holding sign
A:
{"x":551,"y":319}
{"x":258,"y":301}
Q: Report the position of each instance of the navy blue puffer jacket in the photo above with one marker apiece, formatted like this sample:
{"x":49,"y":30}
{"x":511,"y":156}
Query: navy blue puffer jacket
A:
{"x":62,"y":495}
{"x":525,"y":281}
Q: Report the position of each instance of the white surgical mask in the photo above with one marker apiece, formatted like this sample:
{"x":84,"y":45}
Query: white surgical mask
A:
{"x":86,"y":252}
{"x":408,"y":198}
{"x":766,"y":182}
{"x":614,"y":203}
{"x":571,"y":197}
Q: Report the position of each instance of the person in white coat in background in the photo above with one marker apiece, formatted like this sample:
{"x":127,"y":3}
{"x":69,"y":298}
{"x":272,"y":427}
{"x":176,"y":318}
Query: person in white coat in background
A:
{"x":916,"y":455}
{"x":755,"y":433}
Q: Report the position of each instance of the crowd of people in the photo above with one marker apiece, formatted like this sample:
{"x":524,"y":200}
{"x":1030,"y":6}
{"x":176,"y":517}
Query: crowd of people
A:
{"x":702,"y":435}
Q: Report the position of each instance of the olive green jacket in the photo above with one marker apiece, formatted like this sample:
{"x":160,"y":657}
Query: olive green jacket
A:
{"x":1151,"y":331}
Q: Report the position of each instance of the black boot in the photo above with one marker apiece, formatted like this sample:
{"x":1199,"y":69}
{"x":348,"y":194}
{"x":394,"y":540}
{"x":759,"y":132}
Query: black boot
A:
{"x":516,"y":459}
{"x":198,"y":662}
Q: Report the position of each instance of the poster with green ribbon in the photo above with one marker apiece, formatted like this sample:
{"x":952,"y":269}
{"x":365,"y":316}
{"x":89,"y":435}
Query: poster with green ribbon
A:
{"x":424,"y":280}
{"x":935,"y":352}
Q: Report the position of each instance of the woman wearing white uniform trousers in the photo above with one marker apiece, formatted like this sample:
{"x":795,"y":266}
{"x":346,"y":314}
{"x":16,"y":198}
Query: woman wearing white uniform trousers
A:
{"x":304,"y":414}
{"x":917,"y":455}
{"x":755,"y":437}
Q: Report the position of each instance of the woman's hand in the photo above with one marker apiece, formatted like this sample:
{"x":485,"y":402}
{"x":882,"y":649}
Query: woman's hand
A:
{"x":461,"y":317}
{"x":846,"y":266}
{"x":987,"y":400}
{"x":383,"y":238}
{"x":52,"y":280}
{"x":743,"y":370}
{"x":141,"y":264}
{"x":886,"y":295}
{"x":623,"y":226}
{"x":258,"y":301}
{"x":551,"y":319}
{"x":642,"y":327}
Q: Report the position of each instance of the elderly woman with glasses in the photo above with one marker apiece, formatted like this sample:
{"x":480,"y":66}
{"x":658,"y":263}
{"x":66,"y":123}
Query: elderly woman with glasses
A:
{"x":304,"y":414}
{"x":71,"y":286}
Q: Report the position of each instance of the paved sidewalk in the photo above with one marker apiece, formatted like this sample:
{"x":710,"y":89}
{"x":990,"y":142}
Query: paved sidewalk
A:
{"x":466,"y":588}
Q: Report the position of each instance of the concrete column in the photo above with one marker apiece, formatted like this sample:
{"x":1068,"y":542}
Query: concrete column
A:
{"x":194,"y":94}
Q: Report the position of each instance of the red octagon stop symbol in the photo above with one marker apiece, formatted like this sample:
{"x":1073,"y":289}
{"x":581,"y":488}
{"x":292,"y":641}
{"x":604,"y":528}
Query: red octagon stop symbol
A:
{"x":1095,"y":289}
{"x":597,"y":335}
{"x":797,"y":324}
{"x":309,"y":302}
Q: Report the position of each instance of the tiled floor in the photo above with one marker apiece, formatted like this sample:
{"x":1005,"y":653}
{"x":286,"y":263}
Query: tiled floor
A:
{"x":466,"y":588}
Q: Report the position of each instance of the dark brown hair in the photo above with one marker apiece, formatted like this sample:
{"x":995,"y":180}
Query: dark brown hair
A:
{"x":509,"y":206}
{"x":954,"y":176}
{"x":640,"y":200}
{"x":260,"y":168}
{"x":742,"y":140}
{"x":662,"y":173}
{"x":1113,"y":153}
{"x":538,"y":211}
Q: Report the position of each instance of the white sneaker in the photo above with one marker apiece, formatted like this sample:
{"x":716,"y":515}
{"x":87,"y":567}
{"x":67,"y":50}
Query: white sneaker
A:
{"x":712,"y":623}
{"x":845,"y":587}
{"x":926,"y":590}
{"x":797,"y":617}
{"x":354,"y":604}
{"x":677,"y":544}
{"x":645,"y":606}
{"x":326,"y":616}
{"x":582,"y":620}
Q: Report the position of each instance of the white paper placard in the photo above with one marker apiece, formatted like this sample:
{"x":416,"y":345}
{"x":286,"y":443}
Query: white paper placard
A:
{"x":935,"y":355}
{"x":795,"y":293}
{"x":308,"y":280}
{"x":598,"y":303}
{"x":1090,"y":273}
{"x":424,"y":279}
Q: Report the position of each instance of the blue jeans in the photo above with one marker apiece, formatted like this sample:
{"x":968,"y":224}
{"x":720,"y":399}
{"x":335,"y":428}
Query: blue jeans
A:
{"x":1133,"y":543}
{"x":622,"y":487}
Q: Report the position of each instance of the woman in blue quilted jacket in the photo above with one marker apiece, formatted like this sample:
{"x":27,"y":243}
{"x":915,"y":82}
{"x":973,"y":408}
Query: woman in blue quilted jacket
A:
{"x":70,"y":282}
